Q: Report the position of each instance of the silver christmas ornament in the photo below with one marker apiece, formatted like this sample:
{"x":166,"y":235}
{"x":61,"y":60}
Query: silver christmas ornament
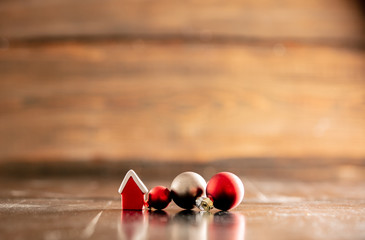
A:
{"x":186,"y":188}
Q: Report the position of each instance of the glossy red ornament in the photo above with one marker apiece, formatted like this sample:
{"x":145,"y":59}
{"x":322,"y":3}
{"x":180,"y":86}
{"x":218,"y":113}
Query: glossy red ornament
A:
{"x":158,"y":197}
{"x":225,"y":190}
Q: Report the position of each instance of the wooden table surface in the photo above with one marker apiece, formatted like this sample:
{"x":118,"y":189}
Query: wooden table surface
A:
{"x":89,"y":89}
{"x":89,"y":208}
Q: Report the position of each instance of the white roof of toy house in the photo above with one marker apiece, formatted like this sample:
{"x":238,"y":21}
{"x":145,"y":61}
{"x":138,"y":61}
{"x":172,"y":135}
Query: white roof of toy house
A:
{"x":136,"y":179}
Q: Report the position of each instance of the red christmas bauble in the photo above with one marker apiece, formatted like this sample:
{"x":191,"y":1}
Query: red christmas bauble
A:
{"x":158,"y":197}
{"x":225,"y":190}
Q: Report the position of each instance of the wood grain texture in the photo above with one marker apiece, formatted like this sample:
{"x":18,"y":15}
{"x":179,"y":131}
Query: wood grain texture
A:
{"x":171,"y":101}
{"x":328,"y":20}
{"x":175,"y":80}
{"x":89,"y":208}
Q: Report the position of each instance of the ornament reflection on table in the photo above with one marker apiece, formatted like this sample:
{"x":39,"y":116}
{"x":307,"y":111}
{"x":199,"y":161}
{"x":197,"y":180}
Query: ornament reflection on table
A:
{"x":224,"y":191}
{"x":186,"y":224}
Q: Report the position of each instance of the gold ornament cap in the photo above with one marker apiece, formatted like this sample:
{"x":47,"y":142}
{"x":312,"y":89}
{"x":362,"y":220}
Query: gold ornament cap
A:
{"x":204,"y":204}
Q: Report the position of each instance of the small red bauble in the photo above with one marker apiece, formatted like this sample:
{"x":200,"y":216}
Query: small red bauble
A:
{"x":158,"y":197}
{"x":225,"y":190}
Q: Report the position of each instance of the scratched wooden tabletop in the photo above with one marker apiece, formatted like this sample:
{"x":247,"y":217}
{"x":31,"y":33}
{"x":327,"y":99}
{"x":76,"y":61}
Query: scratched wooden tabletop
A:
{"x":272,"y":90}
{"x":88,"y":207}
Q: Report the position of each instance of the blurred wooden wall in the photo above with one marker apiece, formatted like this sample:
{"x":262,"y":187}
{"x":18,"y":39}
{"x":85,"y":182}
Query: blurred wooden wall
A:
{"x":176,"y":80}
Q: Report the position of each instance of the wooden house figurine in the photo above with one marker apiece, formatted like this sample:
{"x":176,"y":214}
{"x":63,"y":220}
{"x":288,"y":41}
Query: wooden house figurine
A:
{"x":132,"y":192}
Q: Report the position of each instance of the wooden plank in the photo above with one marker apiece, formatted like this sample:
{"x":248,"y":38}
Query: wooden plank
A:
{"x":181,"y":102}
{"x":322,"y":20}
{"x":89,"y":208}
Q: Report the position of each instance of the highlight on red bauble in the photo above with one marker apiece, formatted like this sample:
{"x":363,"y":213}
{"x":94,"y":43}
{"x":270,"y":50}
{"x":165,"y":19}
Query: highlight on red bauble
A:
{"x":226,"y":190}
{"x":158,"y":197}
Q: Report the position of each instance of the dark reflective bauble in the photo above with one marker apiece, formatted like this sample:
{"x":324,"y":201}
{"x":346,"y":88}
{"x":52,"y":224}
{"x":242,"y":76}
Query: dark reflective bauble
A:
{"x":186,"y":188}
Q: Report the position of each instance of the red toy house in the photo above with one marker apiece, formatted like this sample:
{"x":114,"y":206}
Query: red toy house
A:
{"x":132,"y":191}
